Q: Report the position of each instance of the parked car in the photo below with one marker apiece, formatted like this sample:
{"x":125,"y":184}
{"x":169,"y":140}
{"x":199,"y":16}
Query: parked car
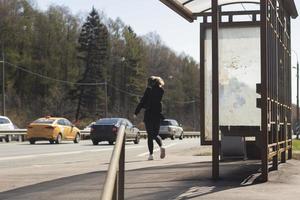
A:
{"x":106,"y":129}
{"x":53,"y":129}
{"x":88,"y":127}
{"x":169,"y":128}
{"x":6,"y":124}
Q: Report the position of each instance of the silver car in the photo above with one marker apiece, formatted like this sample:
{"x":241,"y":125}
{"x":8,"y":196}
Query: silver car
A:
{"x":169,"y":128}
{"x":6,"y":124}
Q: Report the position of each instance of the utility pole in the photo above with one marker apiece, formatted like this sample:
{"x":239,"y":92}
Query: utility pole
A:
{"x":194,"y":115}
{"x":297,"y":91}
{"x":3,"y":82}
{"x":106,"y":106}
{"x":297,"y":97}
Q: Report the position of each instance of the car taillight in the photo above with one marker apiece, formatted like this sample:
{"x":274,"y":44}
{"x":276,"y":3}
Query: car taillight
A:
{"x":114,"y":129}
{"x":28,"y":127}
{"x":49,"y":127}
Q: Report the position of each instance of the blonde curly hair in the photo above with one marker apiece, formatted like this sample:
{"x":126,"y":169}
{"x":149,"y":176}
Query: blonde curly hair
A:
{"x":157,"y":80}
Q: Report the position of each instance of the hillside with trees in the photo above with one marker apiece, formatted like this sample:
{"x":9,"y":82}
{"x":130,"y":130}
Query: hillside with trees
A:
{"x":60,"y":65}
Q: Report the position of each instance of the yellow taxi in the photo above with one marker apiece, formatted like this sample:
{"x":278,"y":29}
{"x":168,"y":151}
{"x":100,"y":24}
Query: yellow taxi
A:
{"x":53,"y":129}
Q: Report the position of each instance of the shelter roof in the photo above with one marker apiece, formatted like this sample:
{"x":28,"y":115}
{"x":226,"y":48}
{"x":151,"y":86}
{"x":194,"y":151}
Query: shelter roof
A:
{"x":189,"y":8}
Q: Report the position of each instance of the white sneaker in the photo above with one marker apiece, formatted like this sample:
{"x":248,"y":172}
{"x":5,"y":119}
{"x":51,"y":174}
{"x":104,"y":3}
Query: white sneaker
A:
{"x":162,"y":152}
{"x":150,"y":157}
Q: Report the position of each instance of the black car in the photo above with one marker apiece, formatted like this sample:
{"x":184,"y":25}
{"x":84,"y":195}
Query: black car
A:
{"x":106,"y":129}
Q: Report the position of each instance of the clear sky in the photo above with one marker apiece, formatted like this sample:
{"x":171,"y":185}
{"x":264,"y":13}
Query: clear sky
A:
{"x":152,"y":16}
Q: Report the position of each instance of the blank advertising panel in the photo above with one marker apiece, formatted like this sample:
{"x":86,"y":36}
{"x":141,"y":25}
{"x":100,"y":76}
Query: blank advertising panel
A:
{"x":239,"y":72}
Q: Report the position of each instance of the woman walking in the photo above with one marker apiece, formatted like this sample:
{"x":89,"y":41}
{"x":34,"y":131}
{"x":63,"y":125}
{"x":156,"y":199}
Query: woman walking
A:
{"x":151,"y":102}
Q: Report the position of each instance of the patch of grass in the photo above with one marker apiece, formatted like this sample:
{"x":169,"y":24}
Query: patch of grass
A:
{"x":296,"y":145}
{"x":296,"y":149}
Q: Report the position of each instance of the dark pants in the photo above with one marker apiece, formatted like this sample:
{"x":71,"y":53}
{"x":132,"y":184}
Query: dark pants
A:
{"x":152,"y":128}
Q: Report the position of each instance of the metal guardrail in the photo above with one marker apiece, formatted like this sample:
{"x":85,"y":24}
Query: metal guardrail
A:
{"x":21,"y":133}
{"x":7,"y":135}
{"x":186,"y":134}
{"x":114,"y":182}
{"x":13,"y":132}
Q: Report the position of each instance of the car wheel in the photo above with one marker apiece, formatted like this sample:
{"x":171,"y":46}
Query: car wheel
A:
{"x":172,"y":137}
{"x":58,"y":139}
{"x":137,"y":139}
{"x":51,"y":141}
{"x":95,"y":142}
{"x":31,"y":141}
{"x":181,"y":136}
{"x":110,"y":142}
{"x":8,"y":138}
{"x":77,"y":138}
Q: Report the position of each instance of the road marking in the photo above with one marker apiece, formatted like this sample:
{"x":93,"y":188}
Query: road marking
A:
{"x":61,"y":153}
{"x":157,"y":149}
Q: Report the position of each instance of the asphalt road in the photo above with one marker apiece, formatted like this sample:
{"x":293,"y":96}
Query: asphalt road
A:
{"x":77,"y":172}
{"x":23,"y":166}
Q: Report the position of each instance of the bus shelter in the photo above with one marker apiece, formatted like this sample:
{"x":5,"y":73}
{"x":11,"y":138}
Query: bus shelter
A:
{"x":245,"y":75}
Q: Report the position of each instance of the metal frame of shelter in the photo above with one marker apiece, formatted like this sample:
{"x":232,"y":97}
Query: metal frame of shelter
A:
{"x":274,"y":135}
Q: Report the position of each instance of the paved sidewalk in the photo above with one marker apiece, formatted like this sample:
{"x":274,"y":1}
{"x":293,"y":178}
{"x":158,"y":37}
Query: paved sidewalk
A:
{"x":174,"y":180}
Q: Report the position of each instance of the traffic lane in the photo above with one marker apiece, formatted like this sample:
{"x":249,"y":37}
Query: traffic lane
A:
{"x":25,"y":152}
{"x":145,"y":183}
{"x":25,"y":171}
{"x":24,"y":148}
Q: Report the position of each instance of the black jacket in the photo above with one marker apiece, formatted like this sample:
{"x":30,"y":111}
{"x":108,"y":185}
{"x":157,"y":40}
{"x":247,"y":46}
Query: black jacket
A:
{"x":151,"y":102}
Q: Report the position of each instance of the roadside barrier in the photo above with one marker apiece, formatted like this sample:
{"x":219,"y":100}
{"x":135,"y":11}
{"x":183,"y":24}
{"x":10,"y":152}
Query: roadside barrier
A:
{"x":7,"y":135}
{"x":20,"y":134}
{"x":186,"y":134}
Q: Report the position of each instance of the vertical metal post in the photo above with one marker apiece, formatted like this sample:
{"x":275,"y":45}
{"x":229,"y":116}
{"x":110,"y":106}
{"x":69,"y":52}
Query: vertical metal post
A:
{"x":202,"y":86}
{"x":215,"y":89}
{"x":106,"y":106}
{"x":194,"y":115}
{"x":297,"y":96}
{"x":3,"y":82}
{"x":121,"y":172}
{"x":264,"y":90}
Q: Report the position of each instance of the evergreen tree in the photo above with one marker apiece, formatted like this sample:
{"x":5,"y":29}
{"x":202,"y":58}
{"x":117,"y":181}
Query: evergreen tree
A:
{"x":134,"y":72}
{"x":93,"y":53}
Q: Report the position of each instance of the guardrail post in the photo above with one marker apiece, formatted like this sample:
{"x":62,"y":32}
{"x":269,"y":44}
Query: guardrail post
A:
{"x":20,"y":138}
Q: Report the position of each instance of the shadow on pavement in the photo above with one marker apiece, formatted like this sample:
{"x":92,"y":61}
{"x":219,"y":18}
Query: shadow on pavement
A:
{"x":179,"y":182}
{"x":189,"y":181}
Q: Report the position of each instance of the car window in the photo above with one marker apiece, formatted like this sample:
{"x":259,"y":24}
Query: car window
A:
{"x":44,"y":121}
{"x":174,"y":122}
{"x":129,"y":124}
{"x":4,"y":121}
{"x":67,"y":122}
{"x":165,"y":123}
{"x":107,"y":121}
{"x":61,"y":122}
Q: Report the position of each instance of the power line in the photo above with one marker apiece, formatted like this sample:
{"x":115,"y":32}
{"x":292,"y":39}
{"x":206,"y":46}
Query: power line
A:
{"x":84,"y":84}
{"x":185,"y":102}
{"x":68,"y":82}
{"x":125,"y":92}
{"x":52,"y":79}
